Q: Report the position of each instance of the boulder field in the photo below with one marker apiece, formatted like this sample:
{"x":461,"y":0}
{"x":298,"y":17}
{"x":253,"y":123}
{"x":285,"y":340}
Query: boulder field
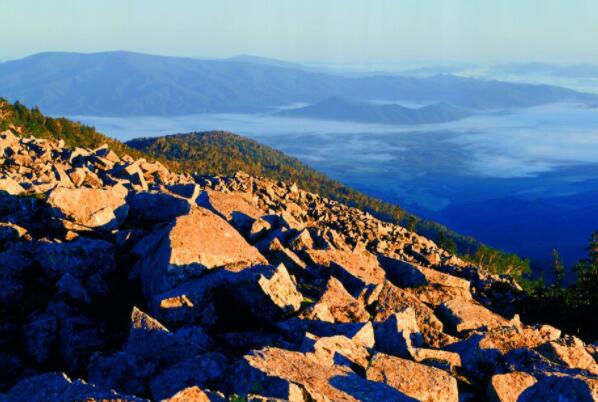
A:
{"x":123,"y":281}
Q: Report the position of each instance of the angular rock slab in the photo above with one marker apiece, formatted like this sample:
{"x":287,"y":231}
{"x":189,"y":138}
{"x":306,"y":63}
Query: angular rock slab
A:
{"x":58,"y":387}
{"x":194,"y":243}
{"x":466,"y":315}
{"x":90,"y":207}
{"x":262,"y":293}
{"x":297,"y":376}
{"x":509,"y":387}
{"x":418,"y":381}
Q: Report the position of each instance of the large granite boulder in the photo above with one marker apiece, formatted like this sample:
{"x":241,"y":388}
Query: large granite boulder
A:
{"x":421,"y":382}
{"x":93,"y":208}
{"x":191,"y":245}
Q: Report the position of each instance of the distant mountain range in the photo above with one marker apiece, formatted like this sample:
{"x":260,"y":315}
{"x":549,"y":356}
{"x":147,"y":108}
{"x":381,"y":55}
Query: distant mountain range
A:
{"x":128,"y":84}
{"x":343,"y":109}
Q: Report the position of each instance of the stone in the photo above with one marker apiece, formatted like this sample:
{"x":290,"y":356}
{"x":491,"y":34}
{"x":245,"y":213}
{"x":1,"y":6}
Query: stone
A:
{"x":227,"y":205}
{"x":296,"y":376}
{"x":190,"y":394}
{"x":570,"y":351}
{"x":342,"y":306}
{"x":399,"y":334}
{"x":507,"y":338}
{"x":10,"y":186}
{"x":508,"y":387}
{"x":90,"y":207}
{"x":355,"y":269}
{"x":191,"y":245}
{"x":556,"y":388}
{"x":392,"y":299}
{"x":413,"y":379}
{"x":10,"y":231}
{"x":463,"y":315}
{"x":406,"y":274}
{"x":268,"y":294}
{"x":58,"y":387}
{"x":151,"y":207}
{"x":337,"y":350}
{"x":199,"y":371}
{"x":41,"y":338}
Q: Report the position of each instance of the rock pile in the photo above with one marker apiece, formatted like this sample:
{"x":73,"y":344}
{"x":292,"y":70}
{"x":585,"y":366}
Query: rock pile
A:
{"x":123,"y":281}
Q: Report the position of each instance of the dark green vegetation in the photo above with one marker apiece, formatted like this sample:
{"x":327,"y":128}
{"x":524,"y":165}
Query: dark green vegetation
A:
{"x":133,"y":84}
{"x":73,"y":133}
{"x":572,"y":308}
{"x":343,"y":109}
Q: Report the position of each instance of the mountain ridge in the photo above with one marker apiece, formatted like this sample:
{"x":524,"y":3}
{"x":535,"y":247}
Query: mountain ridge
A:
{"x":128,"y":84}
{"x":345,"y":109}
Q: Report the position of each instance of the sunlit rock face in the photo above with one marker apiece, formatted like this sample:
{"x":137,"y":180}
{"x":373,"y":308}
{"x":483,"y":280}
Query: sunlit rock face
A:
{"x":121,"y":280}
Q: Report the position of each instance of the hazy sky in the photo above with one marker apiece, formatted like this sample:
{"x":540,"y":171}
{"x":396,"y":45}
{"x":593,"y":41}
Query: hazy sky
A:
{"x":309,"y":30}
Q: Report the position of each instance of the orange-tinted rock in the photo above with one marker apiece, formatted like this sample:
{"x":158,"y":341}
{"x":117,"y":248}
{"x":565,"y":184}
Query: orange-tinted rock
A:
{"x":392,"y":299}
{"x":354,"y":269}
{"x":191,"y":394}
{"x":194,"y":243}
{"x":508,"y":387}
{"x":416,"y":380}
{"x":464,"y":315}
{"x":90,"y":207}
{"x":571,"y":352}
{"x":342,"y":306}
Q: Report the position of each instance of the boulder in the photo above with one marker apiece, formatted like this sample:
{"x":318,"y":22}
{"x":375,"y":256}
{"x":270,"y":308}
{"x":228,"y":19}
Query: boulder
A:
{"x":570,"y":351}
{"x":392,"y":299}
{"x":153,"y":207}
{"x":399,"y":334}
{"x":557,"y":388}
{"x":89,"y":261}
{"x":406,"y":274}
{"x":416,"y":380}
{"x":191,"y":394}
{"x":192,"y":244}
{"x":508,"y":387}
{"x":465,"y":315}
{"x":196,"y":371}
{"x":296,"y":376}
{"x":355,"y":269}
{"x":149,"y":350}
{"x":90,"y":207}
{"x":58,"y":387}
{"x":342,"y":306}
{"x":10,"y":186}
{"x":268,"y":294}
{"x":227,"y":205}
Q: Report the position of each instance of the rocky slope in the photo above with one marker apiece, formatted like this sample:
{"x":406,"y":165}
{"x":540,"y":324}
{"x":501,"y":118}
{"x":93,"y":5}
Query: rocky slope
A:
{"x":122,"y":281}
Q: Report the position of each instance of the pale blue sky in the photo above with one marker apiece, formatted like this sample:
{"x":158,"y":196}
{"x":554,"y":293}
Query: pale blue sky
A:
{"x":563,"y":31}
